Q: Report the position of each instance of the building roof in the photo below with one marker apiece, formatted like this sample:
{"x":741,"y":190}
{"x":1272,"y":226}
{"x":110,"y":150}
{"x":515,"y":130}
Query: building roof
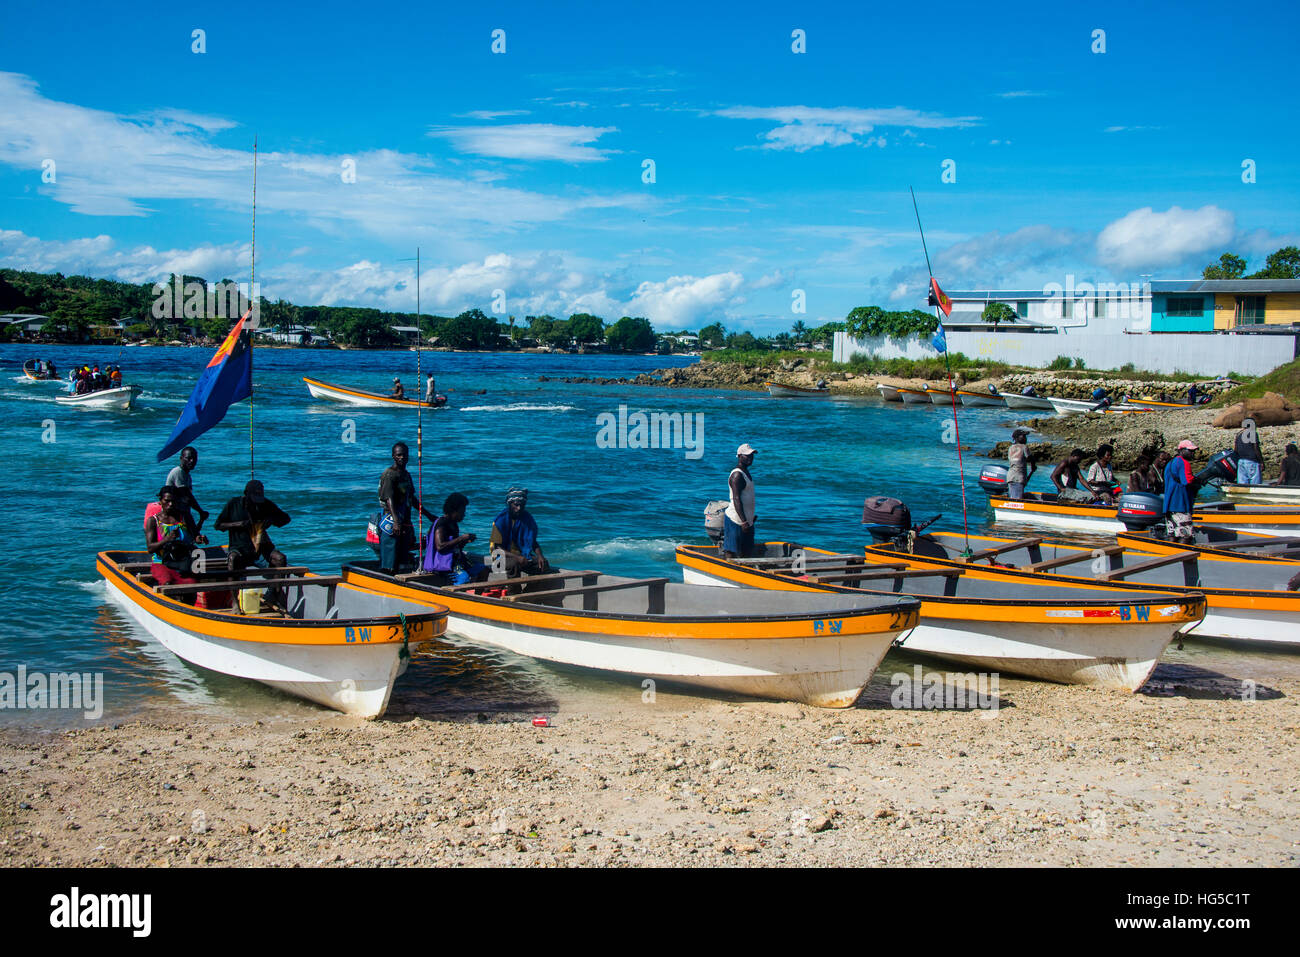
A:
{"x":1256,"y":286}
{"x":1160,"y":286}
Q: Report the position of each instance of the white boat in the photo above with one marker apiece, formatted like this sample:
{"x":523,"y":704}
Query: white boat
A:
{"x":1015,"y":401}
{"x":1066,"y":406}
{"x":123,"y":397}
{"x":1261,"y":494}
{"x":971,"y":397}
{"x":819,"y":650}
{"x":338,"y":645}
{"x":1046,"y":510}
{"x":940,"y":396}
{"x":1101,"y":636}
{"x":374,"y":400}
{"x":889,"y":393}
{"x":779,"y":390}
{"x":913,"y":396}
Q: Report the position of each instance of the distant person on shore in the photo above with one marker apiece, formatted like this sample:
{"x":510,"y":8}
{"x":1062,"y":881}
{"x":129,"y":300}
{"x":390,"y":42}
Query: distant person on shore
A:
{"x":514,"y":532}
{"x":179,"y":478}
{"x":1250,"y":460}
{"x":445,"y":553}
{"x":246,"y":520}
{"x":1144,"y":477}
{"x":1290,"y":466}
{"x":1102,"y":398}
{"x":398,"y":392}
{"x":1194,"y":395}
{"x":1020,"y":465}
{"x":397,"y":495}
{"x":1067,"y":480}
{"x":1100,"y":476}
{"x":170,"y":537}
{"x":1180,"y":491}
{"x":738,"y":519}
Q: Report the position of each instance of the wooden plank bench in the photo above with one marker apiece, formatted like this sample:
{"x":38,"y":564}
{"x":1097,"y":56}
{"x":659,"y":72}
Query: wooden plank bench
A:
{"x":1257,"y":542}
{"x":1187,"y":559}
{"x":527,"y":580}
{"x":171,"y":590}
{"x":1106,"y":552}
{"x":808,"y":559}
{"x":819,"y":569}
{"x":138,"y":568}
{"x":1035,"y":552}
{"x":589,"y":593}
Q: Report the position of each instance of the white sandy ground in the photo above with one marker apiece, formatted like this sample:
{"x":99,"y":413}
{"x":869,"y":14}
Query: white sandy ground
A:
{"x":1057,"y":776}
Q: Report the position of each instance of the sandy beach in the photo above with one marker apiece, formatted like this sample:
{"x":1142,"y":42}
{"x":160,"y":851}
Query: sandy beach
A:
{"x":1182,"y":774}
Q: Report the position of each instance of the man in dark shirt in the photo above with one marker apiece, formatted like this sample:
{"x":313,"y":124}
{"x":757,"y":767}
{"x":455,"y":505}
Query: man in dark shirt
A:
{"x":1067,"y":480}
{"x":246,"y":519}
{"x":397,"y":495}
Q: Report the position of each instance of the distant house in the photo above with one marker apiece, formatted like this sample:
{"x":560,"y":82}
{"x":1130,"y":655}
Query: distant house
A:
{"x":26,"y":323}
{"x":408,"y":334}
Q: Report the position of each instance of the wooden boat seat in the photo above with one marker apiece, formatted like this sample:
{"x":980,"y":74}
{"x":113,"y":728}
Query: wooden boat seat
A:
{"x":863,"y":566}
{"x":1126,"y":570}
{"x":953,"y":573}
{"x":247,"y":583}
{"x":760,"y":562}
{"x":589,"y":593}
{"x":527,"y":580}
{"x":1106,"y":552}
{"x":1257,"y":542}
{"x":135,"y":568}
{"x":1032,"y":544}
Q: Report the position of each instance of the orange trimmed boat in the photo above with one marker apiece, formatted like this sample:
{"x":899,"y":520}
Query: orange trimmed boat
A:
{"x":335,"y":644}
{"x":1046,"y":509}
{"x":1246,"y":601}
{"x":1088,"y":634}
{"x":779,"y":390}
{"x":819,"y":650}
{"x":323,"y":390}
{"x":1220,"y":543}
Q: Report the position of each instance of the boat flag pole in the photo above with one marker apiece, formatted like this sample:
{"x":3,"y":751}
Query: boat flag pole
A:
{"x":952,"y":393}
{"x":252,"y":295}
{"x":419,"y":415}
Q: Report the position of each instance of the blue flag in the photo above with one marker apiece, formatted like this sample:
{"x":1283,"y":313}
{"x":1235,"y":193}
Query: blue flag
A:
{"x":227,"y":379}
{"x":939,"y":340}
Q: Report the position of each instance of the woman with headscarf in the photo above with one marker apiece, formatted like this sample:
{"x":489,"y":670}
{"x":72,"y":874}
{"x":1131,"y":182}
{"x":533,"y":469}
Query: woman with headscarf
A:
{"x":514,"y":531}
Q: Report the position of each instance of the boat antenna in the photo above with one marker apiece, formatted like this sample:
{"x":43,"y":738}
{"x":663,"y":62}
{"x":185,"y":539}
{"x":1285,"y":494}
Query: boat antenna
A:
{"x":952,"y":393}
{"x":252,"y":296}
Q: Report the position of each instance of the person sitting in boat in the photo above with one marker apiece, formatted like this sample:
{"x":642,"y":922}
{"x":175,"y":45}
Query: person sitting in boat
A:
{"x":1290,"y":466}
{"x":1100,"y":476}
{"x":1020,"y":465}
{"x":514,"y":533}
{"x":738,"y":520}
{"x":1144,"y":478}
{"x":1180,"y":491}
{"x":170,"y":536}
{"x":445,"y":552}
{"x":398,"y":392}
{"x":397,"y":495}
{"x":1158,"y":469}
{"x":821,"y":384}
{"x":246,"y":519}
{"x":1067,"y":480}
{"x":115,"y":377}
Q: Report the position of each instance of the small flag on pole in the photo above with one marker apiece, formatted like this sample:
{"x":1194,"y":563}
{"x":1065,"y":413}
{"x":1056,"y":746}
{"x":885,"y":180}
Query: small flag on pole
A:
{"x":227,"y":379}
{"x":939,"y":298}
{"x":939,"y":340}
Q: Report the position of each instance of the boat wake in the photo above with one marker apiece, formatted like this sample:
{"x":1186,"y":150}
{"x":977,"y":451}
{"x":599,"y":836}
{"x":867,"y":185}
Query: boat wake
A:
{"x":520,"y":407}
{"x":615,"y":547}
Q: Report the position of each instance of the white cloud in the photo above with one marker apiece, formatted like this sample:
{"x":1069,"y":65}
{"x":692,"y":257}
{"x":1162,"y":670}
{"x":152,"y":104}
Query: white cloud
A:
{"x":802,"y":128}
{"x":491,"y":114}
{"x":99,"y":256}
{"x":1018,"y":94}
{"x":529,"y":141}
{"x":1145,"y":238}
{"x":686,"y":301}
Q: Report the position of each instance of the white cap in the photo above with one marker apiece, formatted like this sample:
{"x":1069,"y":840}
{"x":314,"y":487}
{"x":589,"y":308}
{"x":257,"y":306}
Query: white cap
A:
{"x":746,"y":449}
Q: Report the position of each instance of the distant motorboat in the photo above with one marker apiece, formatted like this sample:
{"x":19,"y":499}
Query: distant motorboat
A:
{"x":1014,"y":401}
{"x":31,"y":371}
{"x":973,"y":397}
{"x":780,"y":391}
{"x":913,"y":396}
{"x":323,"y":390}
{"x":940,"y":396}
{"x":889,"y":393}
{"x":1066,"y":406}
{"x":123,"y":397}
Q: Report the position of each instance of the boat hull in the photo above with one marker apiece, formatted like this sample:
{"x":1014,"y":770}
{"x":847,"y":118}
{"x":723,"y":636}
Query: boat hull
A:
{"x":372,"y":400}
{"x":939,"y":397}
{"x":786,"y":659}
{"x":120,"y":398}
{"x":1261,"y":494}
{"x":914,"y":397}
{"x":778,"y":391}
{"x":889,"y":393}
{"x":1027,"y":402}
{"x":1095,"y":518}
{"x":1066,"y":406}
{"x":980,"y":398}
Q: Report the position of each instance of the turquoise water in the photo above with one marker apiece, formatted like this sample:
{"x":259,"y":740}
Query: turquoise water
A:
{"x":620,"y":510}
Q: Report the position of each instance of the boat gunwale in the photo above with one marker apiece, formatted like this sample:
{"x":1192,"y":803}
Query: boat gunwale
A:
{"x":361,"y":393}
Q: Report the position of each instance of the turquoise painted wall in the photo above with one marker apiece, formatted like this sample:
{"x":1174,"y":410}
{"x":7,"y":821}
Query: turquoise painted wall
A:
{"x":1162,"y":322}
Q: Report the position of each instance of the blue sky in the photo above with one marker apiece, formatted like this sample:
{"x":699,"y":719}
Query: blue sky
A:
{"x":522,"y":171}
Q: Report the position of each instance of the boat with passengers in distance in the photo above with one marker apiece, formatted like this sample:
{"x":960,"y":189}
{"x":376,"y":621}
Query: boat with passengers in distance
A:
{"x":123,"y":397}
{"x":333,"y":643}
{"x":819,"y":650}
{"x":338,"y":393}
{"x":1096,"y":635}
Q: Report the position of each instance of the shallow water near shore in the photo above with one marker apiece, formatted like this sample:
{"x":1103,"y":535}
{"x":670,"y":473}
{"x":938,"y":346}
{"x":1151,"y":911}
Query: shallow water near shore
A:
{"x":78,"y":480}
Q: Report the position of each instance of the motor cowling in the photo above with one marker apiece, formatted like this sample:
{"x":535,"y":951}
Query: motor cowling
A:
{"x":1140,"y":510}
{"x":1221,"y":467}
{"x":885,"y":518}
{"x":713,"y":513}
{"x":993,"y":479}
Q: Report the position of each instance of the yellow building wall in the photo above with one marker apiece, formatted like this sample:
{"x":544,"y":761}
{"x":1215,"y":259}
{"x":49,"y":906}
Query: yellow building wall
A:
{"x":1280,"y":308}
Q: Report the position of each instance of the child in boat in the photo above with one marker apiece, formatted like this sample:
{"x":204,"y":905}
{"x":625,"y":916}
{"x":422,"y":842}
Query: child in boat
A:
{"x":445,"y":552}
{"x":514,"y":532}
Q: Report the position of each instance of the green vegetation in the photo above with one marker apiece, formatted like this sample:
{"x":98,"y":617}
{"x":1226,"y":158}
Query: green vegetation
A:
{"x":996,"y":312}
{"x":1284,"y":380}
{"x":1060,"y":363}
{"x":1282,"y":264}
{"x":865,"y":321}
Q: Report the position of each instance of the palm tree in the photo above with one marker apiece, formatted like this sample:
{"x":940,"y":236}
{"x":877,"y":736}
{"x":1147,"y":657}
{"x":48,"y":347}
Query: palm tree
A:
{"x":799,"y":330}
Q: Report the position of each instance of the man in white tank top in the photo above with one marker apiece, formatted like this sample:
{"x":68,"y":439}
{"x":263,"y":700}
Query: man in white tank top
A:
{"x":738,"y":519}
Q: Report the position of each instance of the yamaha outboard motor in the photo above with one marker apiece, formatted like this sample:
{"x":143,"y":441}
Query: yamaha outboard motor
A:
{"x":1140,"y":510}
{"x":713,"y":513}
{"x":993,"y":479}
{"x":885,"y":518}
{"x":1222,"y":467}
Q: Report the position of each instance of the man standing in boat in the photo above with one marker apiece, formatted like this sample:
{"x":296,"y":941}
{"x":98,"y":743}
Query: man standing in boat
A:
{"x":1250,"y":460}
{"x":738,"y":519}
{"x":179,"y":478}
{"x":430,"y":390}
{"x":1020,"y":465}
{"x":397,"y":495}
{"x":1180,"y":490}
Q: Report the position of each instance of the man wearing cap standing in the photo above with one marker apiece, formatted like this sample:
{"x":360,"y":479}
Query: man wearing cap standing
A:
{"x":1018,"y":461}
{"x":1180,"y":490}
{"x":738,"y":519}
{"x":246,"y":519}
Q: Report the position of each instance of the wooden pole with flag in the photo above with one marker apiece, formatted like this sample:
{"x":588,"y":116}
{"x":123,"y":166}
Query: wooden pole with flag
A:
{"x":943,"y":304}
{"x":252,"y":302}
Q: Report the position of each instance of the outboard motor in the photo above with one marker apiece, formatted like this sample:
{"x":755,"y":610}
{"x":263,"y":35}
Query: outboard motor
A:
{"x":885,"y":518}
{"x":713,"y":512}
{"x":993,"y":479}
{"x":1222,"y":467}
{"x":1140,"y":510}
